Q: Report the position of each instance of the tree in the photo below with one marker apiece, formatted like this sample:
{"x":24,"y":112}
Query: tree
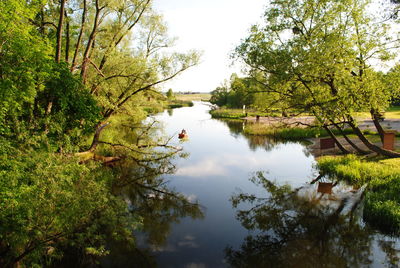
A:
{"x":170,"y":93}
{"x":53,"y":201}
{"x":316,"y":55}
{"x":219,"y":96}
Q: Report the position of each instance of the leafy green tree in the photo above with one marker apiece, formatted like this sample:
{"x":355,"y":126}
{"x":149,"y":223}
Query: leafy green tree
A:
{"x":51,"y":202}
{"x":170,"y":94}
{"x":316,"y":55}
{"x":24,"y":63}
{"x":219,"y":96}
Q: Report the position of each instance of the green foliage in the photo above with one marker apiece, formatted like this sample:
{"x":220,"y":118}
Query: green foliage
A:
{"x":73,"y":105}
{"x":219,"y":96}
{"x":30,"y":80}
{"x":241,"y":91}
{"x":23,"y":62}
{"x":51,"y":202}
{"x":170,"y":93}
{"x":316,"y":57}
{"x":382,"y":201}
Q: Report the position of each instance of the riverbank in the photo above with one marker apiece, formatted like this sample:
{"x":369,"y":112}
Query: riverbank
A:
{"x":296,"y":128}
{"x":382,"y":176}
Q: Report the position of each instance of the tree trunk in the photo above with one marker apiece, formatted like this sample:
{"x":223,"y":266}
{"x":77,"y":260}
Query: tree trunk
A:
{"x":371,"y":146}
{"x":336,"y":140}
{"x":96,"y":138}
{"x":90,"y":43}
{"x":340,"y":146}
{"x":78,"y":42}
{"x":67,"y":38}
{"x":358,"y":149}
{"x":59,"y":31}
{"x":375,"y":119}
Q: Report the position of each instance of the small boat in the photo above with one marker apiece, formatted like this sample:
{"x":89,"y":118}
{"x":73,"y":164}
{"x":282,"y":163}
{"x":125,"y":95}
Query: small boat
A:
{"x":182,"y":136}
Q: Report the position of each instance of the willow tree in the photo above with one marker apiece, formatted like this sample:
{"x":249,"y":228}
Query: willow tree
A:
{"x":318,"y":54}
{"x":121,"y":51}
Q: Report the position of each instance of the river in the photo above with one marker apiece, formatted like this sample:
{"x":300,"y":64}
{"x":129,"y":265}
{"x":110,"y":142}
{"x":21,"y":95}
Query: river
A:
{"x":259,"y":207}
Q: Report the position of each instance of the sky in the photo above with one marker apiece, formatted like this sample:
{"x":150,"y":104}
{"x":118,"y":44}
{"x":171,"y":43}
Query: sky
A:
{"x":213,"y":27}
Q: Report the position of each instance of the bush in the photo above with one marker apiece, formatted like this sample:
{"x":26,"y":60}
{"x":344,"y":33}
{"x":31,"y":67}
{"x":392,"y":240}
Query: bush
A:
{"x":50,"y":202}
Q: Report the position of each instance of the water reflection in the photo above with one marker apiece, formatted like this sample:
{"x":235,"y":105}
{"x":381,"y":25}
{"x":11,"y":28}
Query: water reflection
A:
{"x":303,"y":228}
{"x":156,"y":204}
{"x":170,"y":112}
{"x":140,"y":180}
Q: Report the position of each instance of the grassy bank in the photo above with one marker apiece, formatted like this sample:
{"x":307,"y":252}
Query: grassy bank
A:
{"x":236,"y":113}
{"x":284,"y":133}
{"x":382,"y":199}
{"x":293,"y":133}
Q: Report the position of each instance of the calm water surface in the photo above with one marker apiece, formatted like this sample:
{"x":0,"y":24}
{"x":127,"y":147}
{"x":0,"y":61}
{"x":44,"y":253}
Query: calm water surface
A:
{"x":281,"y":226}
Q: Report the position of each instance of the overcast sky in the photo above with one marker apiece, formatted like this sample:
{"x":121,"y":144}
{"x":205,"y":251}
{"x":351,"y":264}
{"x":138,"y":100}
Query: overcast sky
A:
{"x":212,"y":26}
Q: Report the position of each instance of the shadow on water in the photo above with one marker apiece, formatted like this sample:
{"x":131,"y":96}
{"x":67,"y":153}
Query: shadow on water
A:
{"x":305,"y":228}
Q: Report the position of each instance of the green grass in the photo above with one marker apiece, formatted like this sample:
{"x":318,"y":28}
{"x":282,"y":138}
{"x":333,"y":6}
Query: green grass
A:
{"x":382,"y":199}
{"x":392,"y":112}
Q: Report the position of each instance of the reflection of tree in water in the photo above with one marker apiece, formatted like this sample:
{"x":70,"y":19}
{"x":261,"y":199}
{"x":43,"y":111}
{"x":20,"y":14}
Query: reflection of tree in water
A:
{"x":158,"y":207}
{"x":142,"y":184}
{"x":296,"y":231}
{"x":170,"y":112}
